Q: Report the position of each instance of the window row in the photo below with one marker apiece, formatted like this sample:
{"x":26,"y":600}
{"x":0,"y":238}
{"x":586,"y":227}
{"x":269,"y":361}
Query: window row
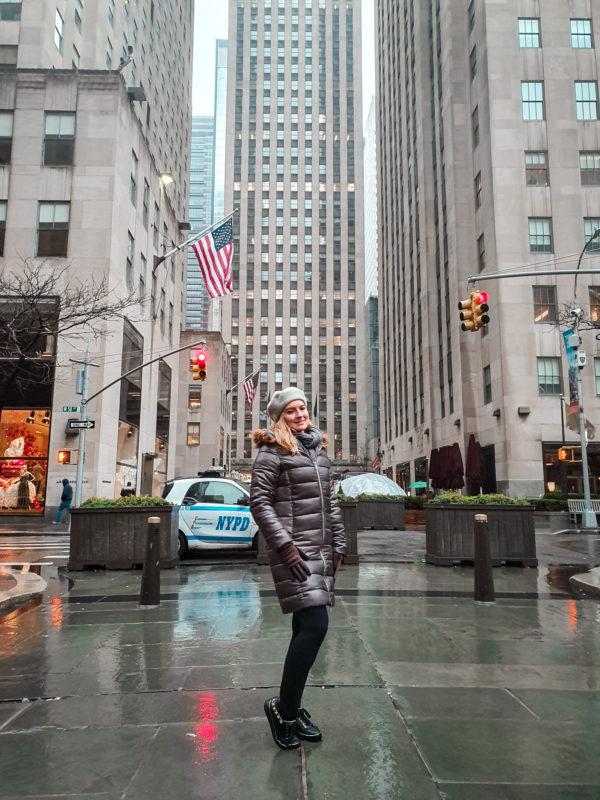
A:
{"x":545,"y":304}
{"x":549,"y":378}
{"x":529,"y":33}
{"x":533,"y":104}
{"x":541,"y":236}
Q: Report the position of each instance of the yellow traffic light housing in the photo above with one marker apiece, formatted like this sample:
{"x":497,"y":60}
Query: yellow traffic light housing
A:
{"x":202,"y":359}
{"x":194,"y":367}
{"x":473,"y":311}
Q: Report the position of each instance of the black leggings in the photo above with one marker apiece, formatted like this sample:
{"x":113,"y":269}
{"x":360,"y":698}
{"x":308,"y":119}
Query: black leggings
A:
{"x":309,"y":627}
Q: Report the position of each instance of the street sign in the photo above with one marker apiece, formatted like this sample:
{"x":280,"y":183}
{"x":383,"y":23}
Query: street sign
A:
{"x":77,"y":424}
{"x":71,"y":409}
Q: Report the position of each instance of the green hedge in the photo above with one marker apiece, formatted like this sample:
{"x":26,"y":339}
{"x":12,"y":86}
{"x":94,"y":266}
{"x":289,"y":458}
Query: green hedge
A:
{"x":344,"y":498}
{"x":414,"y":502}
{"x":457,"y":498}
{"x":127,"y":502}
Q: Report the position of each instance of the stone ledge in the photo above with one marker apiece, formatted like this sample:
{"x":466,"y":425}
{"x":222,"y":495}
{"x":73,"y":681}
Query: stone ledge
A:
{"x":19,"y":588}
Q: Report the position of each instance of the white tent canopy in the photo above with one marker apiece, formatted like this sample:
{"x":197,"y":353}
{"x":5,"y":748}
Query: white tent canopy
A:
{"x":368,"y":483}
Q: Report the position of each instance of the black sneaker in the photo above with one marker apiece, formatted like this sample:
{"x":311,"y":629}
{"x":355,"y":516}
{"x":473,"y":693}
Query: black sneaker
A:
{"x":306,"y":729}
{"x":284,"y":731}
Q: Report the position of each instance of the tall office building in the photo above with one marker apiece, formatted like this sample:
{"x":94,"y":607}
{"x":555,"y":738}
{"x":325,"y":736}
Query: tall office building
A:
{"x":94,"y":163}
{"x":201,"y":216}
{"x":294,"y":169}
{"x":371,"y":298}
{"x":489,"y":161}
{"x":220,"y":128}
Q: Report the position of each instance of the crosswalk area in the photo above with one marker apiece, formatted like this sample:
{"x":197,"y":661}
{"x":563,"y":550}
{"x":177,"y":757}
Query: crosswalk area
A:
{"x":40,"y":549}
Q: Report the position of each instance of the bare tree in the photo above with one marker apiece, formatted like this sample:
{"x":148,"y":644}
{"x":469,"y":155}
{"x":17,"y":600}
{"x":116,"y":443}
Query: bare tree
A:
{"x":39,"y":306}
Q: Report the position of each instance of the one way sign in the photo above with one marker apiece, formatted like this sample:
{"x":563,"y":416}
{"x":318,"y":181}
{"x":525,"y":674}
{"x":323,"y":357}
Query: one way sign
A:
{"x":77,"y":424}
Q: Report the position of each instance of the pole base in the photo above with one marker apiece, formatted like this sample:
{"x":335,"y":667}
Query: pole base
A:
{"x":588,"y":519}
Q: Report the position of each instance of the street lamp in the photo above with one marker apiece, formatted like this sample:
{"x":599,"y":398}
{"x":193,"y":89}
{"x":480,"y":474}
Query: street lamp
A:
{"x":588,"y":517}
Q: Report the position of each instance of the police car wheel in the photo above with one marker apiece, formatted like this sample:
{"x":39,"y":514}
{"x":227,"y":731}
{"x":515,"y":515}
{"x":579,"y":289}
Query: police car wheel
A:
{"x":183,"y":545}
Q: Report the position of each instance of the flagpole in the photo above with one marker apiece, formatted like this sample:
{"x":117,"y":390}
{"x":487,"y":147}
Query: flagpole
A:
{"x":159,"y":260}
{"x":247,"y":378}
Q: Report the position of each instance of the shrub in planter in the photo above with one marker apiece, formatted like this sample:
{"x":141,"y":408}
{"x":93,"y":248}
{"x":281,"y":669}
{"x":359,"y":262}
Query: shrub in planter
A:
{"x":112,"y":532}
{"x":378,"y":511}
{"x":449,"y":530}
{"x":412,"y":502}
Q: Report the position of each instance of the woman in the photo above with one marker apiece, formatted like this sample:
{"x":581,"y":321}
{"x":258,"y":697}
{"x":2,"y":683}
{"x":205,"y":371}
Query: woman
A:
{"x":292,"y":503}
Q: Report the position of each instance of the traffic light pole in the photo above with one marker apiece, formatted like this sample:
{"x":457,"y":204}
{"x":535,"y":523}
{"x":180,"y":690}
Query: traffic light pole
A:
{"x":85,"y":400}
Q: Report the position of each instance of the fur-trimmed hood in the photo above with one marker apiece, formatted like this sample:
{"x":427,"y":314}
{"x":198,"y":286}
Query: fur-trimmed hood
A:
{"x":262,"y":436}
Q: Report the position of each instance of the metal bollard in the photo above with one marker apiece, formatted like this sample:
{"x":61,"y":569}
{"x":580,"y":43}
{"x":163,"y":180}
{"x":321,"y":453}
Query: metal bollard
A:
{"x":150,"y":590}
{"x":484,"y":580}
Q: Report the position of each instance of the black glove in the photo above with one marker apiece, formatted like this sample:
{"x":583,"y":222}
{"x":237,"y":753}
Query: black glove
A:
{"x":292,"y":559}
{"x":337,"y":562}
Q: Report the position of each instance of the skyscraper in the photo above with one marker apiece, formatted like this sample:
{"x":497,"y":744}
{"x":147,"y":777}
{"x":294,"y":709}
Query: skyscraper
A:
{"x":201,"y":216}
{"x":294,"y":169}
{"x":488,"y":161}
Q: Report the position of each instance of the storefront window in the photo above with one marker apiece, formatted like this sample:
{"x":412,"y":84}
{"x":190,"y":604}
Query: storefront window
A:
{"x":563,"y":469}
{"x":24,"y":437}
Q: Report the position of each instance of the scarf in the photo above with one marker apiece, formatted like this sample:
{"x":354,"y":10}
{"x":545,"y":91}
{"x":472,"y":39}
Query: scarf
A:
{"x":309,"y":441}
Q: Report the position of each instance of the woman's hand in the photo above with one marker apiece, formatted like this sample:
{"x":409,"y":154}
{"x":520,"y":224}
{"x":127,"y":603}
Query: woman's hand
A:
{"x":292,"y":559}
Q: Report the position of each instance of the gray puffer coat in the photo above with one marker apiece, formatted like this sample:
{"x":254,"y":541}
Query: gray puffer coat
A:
{"x":291,"y":500}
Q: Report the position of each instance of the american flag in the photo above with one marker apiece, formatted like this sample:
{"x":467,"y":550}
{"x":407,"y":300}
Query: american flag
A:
{"x":214,"y":253}
{"x":250,"y":388}
{"x":375,"y":463}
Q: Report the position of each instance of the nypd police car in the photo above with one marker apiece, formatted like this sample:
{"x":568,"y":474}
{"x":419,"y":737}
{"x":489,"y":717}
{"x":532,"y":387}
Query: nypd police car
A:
{"x":214,"y":513}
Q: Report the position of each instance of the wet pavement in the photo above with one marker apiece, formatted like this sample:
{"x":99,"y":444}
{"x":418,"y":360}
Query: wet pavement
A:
{"x":421,"y":692}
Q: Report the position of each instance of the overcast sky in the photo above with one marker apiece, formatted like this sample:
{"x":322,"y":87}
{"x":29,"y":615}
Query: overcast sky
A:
{"x":211,"y":24}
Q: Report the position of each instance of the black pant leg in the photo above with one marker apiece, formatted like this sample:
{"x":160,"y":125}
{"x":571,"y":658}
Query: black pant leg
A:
{"x":309,"y":628}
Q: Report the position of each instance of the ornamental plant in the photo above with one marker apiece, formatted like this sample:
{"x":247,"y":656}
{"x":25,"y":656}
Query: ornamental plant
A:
{"x":345,"y":498}
{"x":456,"y":498}
{"x":124,"y":502}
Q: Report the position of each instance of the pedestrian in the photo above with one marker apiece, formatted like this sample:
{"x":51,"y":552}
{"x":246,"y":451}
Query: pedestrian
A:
{"x":24,"y":489}
{"x":66,"y":499}
{"x":292,"y":503}
{"x":127,"y":491}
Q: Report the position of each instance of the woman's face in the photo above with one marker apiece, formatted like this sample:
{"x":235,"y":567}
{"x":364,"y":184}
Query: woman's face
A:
{"x":296,"y":415}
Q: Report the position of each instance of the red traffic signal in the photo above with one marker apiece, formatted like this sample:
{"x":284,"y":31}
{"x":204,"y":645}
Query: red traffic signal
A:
{"x":473,"y":311}
{"x":198,"y":360}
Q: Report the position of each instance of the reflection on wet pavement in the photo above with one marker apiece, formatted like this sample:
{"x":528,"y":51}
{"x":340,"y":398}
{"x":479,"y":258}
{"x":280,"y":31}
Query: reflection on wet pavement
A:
{"x":421,"y":693}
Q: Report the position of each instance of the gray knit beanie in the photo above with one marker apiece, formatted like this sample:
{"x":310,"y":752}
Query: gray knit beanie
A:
{"x":280,"y":400}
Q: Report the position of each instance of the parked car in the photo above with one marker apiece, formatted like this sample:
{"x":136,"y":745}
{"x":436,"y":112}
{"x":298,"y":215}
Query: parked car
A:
{"x":214,"y":513}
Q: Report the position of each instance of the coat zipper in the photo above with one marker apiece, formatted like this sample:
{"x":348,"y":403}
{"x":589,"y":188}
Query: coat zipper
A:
{"x":322,"y":513}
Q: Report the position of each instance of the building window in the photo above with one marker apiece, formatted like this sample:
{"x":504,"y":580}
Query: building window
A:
{"x":142,"y":287}
{"x":473,"y":62}
{"x":78,"y":13}
{"x":594,"y":295}
{"x":529,"y":32}
{"x":532,"y":100}
{"x":597,"y":374}
{"x":193,"y":434}
{"x":590,"y":226}
{"x":481,"y":252}
{"x":109,"y":54}
{"x":544,"y":304}
{"x":129,"y":261}
{"x":487,"y":385}
{"x":536,"y":168}
{"x":589,"y":167}
{"x":549,"y":376}
{"x":111,"y":13}
{"x":75,"y":58}
{"x":10,"y":10}
{"x":6,"y":131}
{"x":478,"y":190}
{"x":471,"y":15}
{"x":133,"y":178}
{"x":59,"y":27}
{"x":586,"y":100}
{"x":194,"y":397}
{"x":581,"y":33}
{"x":59,"y":139}
{"x":53,"y":229}
{"x":475,"y":127}
{"x":2,"y":225}
{"x":540,"y":235}
{"x":146,"y":204}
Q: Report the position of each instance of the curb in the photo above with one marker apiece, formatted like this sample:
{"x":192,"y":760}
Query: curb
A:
{"x":586,"y":583}
{"x":26,"y":586}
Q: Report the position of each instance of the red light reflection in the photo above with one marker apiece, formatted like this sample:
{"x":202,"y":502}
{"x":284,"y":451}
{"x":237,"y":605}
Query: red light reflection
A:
{"x":56,"y":612}
{"x":207,"y":733}
{"x":572,"y":614}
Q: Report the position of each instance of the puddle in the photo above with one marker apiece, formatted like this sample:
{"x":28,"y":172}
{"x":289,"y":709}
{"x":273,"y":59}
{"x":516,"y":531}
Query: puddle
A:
{"x":559,"y":574}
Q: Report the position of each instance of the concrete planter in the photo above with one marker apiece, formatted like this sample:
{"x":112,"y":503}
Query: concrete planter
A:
{"x":380,"y":514}
{"x":449,"y":533}
{"x":115,"y":538}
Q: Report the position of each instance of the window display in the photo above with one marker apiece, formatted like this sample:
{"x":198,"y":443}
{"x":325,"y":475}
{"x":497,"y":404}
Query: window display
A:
{"x":24,"y":437}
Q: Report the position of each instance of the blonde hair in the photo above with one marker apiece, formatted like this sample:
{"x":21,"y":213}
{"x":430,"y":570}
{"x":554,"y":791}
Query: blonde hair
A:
{"x":284,"y":436}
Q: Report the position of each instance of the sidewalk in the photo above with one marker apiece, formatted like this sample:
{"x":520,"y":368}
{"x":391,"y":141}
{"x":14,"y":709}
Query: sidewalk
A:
{"x":421,"y":693}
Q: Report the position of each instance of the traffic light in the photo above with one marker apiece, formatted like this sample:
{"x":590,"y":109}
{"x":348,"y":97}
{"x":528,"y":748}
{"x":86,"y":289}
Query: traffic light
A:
{"x":63,"y":456}
{"x":473,"y":311}
{"x":202,"y":359}
{"x":562,"y":454}
{"x":480,"y":307}
{"x":194,"y":366}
